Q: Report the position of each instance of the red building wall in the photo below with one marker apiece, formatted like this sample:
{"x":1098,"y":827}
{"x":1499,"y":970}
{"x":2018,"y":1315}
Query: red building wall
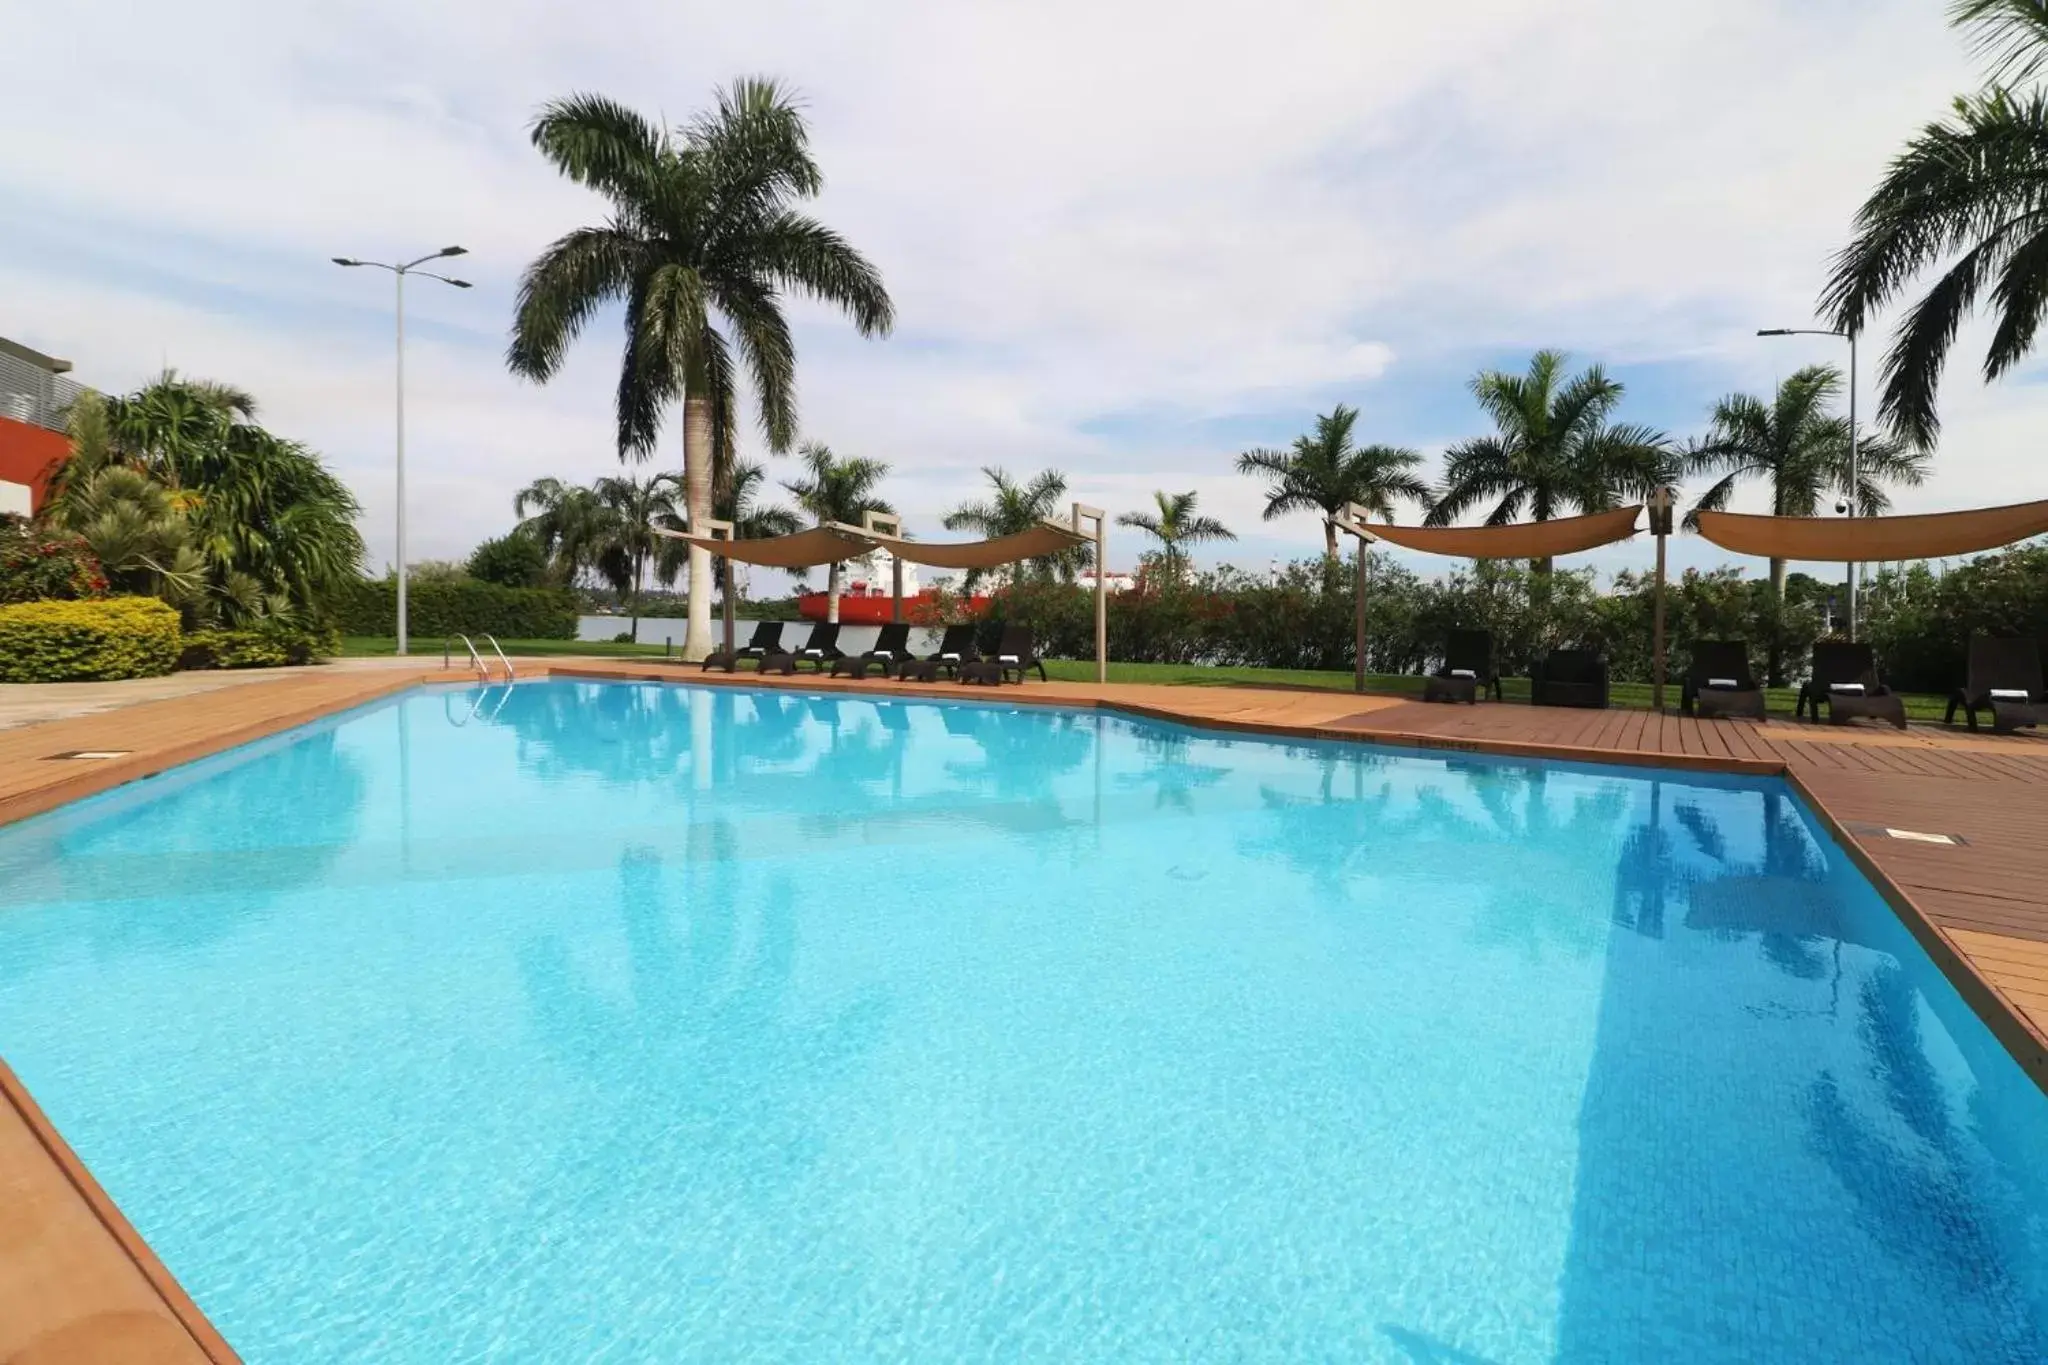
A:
{"x":28,"y":454}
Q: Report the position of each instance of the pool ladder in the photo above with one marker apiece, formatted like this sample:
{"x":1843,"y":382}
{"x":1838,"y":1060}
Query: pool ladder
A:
{"x":483,"y":671}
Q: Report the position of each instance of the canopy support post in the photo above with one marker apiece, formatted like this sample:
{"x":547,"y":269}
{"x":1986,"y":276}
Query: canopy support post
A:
{"x":889,"y":524}
{"x":1082,"y":514}
{"x":1660,"y":527}
{"x":712,"y":529}
{"x":1352,"y":521}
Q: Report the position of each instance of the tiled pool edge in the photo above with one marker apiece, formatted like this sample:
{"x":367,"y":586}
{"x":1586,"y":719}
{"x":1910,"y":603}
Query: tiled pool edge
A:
{"x":78,"y":1335}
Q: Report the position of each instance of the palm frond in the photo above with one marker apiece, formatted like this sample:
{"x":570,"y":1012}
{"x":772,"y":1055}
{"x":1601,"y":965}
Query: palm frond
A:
{"x":2009,"y":36}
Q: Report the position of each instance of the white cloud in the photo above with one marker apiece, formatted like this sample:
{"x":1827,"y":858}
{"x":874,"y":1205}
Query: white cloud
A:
{"x":1094,"y":218}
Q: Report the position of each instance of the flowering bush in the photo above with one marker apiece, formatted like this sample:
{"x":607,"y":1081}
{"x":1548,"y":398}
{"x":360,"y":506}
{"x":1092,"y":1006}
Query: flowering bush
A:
{"x":37,"y":564}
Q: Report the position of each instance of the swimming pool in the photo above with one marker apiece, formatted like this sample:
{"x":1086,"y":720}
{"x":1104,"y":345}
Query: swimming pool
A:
{"x":589,"y":1021}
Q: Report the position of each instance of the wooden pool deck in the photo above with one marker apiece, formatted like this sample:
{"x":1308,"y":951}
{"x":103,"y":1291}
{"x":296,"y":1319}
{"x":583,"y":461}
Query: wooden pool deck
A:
{"x":78,"y":1284}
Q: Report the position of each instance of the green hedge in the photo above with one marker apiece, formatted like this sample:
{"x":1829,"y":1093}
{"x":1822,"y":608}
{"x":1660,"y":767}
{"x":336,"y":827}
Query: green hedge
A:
{"x":465,"y":607}
{"x":266,"y":645}
{"x":115,"y":637}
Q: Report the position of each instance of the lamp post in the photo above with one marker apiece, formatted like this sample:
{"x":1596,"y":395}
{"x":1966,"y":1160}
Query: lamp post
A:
{"x":399,"y":272}
{"x":1855,"y":485}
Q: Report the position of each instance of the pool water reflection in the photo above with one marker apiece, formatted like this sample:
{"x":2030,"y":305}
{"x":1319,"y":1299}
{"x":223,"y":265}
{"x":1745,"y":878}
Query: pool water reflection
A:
{"x":627,"y":1022}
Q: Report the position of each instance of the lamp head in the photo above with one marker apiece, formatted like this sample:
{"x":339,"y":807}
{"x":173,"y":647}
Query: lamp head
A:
{"x":343,"y":260}
{"x":460,"y":284}
{"x":454,"y":251}
{"x":1774,"y":331}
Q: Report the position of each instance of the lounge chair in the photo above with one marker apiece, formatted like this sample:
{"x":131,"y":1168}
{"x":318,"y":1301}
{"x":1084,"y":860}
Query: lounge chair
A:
{"x":891,"y":647}
{"x":1570,"y":677}
{"x":2004,"y":679}
{"x":956,"y":647}
{"x":821,"y":649}
{"x":767,"y":640}
{"x":1719,"y":682}
{"x":1845,"y":680}
{"x":1017,"y":653}
{"x":1468,"y":668}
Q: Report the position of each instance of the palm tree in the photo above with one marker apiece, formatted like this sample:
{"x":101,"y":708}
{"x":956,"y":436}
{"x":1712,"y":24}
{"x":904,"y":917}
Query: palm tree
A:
{"x":1174,"y":525}
{"x":1964,"y":194}
{"x":838,"y":490}
{"x":273,"y":526}
{"x":138,"y":529}
{"x":1802,"y":450}
{"x":638,"y":509}
{"x":1012,"y":508}
{"x":1552,"y":450}
{"x":702,"y":246}
{"x":568,"y":521}
{"x":1323,"y":472}
{"x":737,"y":499}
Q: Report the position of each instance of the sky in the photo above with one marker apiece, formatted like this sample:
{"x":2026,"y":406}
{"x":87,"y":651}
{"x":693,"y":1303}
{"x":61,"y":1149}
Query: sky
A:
{"x":1125,"y":241}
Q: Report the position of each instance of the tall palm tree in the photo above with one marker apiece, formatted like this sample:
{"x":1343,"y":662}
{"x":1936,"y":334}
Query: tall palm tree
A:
{"x":841,"y":490}
{"x":1965,"y":196}
{"x":1552,"y":451}
{"x":1323,"y":471}
{"x":1175,"y":524}
{"x":702,"y":246}
{"x":1011,"y":508}
{"x":638,"y":509}
{"x":1801,"y":449}
{"x":737,"y":499}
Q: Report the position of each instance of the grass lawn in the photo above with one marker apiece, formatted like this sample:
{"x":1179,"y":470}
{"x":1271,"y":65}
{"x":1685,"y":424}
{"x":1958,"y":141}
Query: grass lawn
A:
{"x":1631,"y":694}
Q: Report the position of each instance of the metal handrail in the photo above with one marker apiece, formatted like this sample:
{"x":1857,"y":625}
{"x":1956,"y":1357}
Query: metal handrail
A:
{"x":499,"y":649}
{"x":482,"y":673}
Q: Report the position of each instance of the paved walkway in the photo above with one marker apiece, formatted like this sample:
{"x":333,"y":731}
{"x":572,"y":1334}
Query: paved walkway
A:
{"x":77,"y":1284}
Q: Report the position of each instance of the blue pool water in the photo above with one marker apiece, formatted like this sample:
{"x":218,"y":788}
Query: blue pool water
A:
{"x":588,"y":1022}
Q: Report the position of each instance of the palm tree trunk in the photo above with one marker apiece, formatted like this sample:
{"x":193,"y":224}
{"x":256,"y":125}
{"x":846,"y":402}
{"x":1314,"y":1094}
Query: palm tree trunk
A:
{"x":1778,"y":571}
{"x":639,"y":571}
{"x":1330,"y":543}
{"x":697,"y":444}
{"x":1541,"y":567}
{"x":832,"y":592}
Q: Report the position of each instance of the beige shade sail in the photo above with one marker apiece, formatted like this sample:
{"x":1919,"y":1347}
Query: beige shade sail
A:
{"x":1528,"y":540}
{"x":819,"y":545}
{"x":1046,"y":538}
{"x":1932,"y":535}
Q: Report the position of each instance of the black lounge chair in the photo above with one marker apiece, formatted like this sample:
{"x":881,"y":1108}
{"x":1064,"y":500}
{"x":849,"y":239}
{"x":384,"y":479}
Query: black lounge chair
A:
{"x":2004,"y":679}
{"x":892,"y":646}
{"x":767,"y":640}
{"x":820,"y":650}
{"x":1017,"y":652}
{"x":1845,"y":680}
{"x":1719,"y":682}
{"x":1468,"y":669}
{"x":956,"y":647}
{"x":1570,"y":677}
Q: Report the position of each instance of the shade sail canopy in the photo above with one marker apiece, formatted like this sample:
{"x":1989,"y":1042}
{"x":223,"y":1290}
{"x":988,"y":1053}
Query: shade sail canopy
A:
{"x":1530,"y":540}
{"x":1046,"y":538}
{"x":1932,"y":535}
{"x":819,"y":545}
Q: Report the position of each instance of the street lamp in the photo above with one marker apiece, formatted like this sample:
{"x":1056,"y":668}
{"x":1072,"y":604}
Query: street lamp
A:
{"x":399,"y":272}
{"x":1855,"y":486}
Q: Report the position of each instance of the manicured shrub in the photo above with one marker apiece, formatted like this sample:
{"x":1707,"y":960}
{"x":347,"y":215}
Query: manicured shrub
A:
{"x":467,"y":606}
{"x":36,"y":564}
{"x":514,"y":561}
{"x":115,"y":637}
{"x":268,"y":644}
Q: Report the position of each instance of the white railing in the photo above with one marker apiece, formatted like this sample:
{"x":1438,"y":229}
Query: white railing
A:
{"x":31,"y":394}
